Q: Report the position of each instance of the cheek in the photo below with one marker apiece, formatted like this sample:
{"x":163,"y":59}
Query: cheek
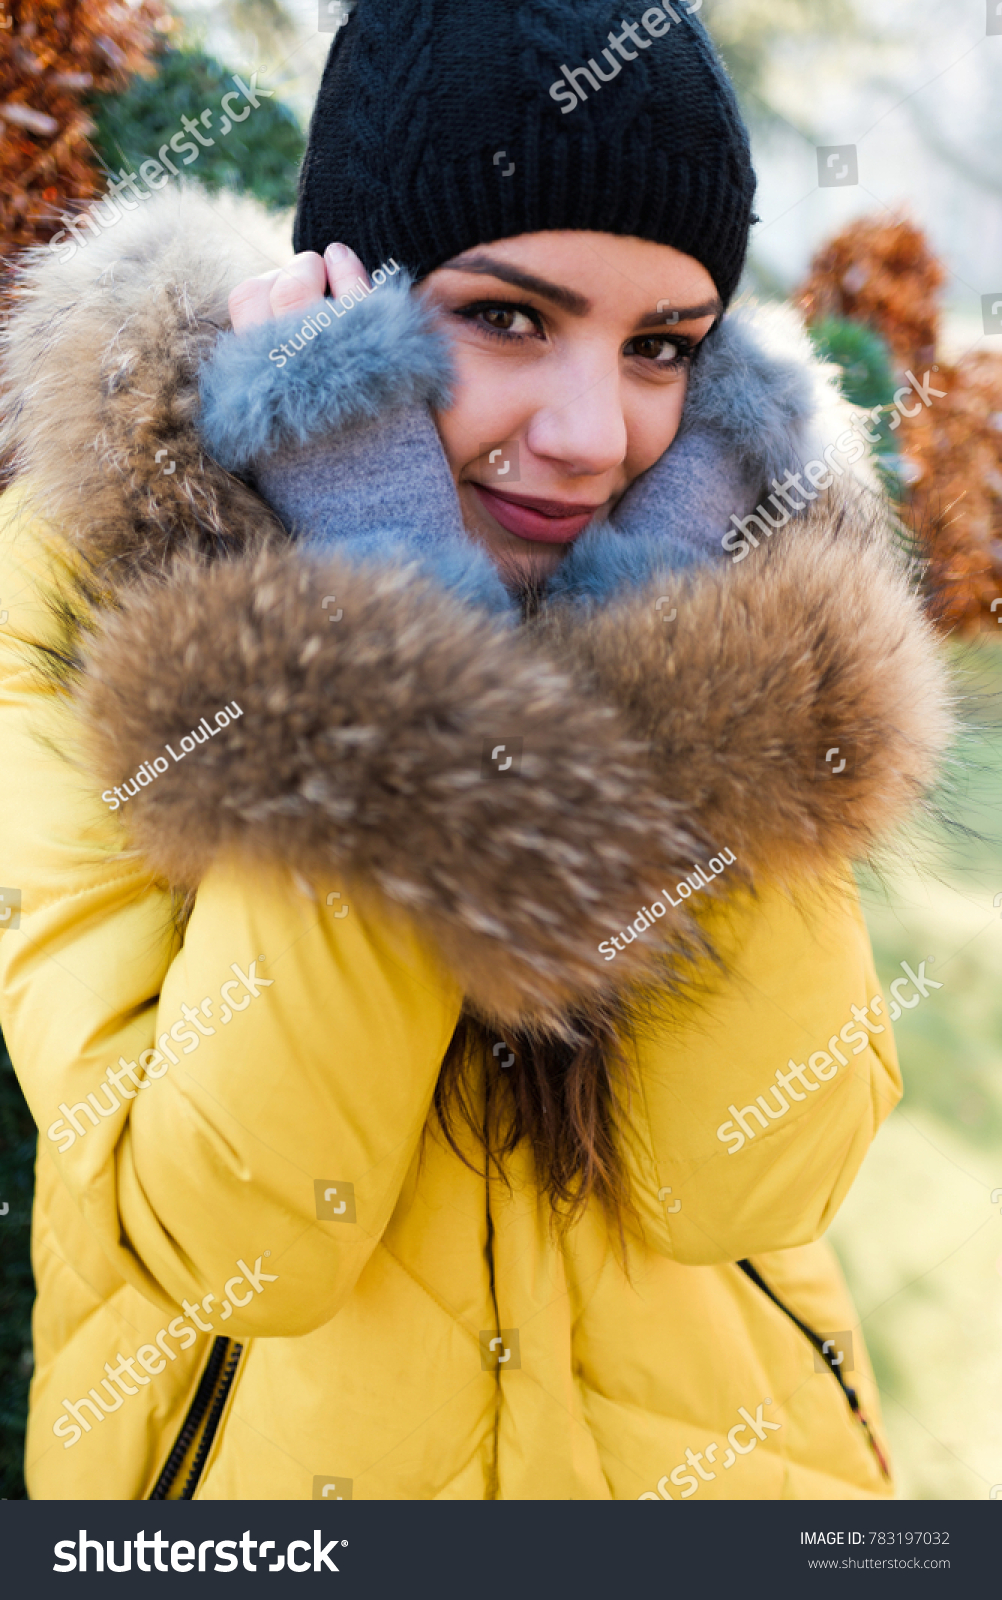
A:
{"x":495,"y":400}
{"x":652,"y":421}
{"x":492,"y":402}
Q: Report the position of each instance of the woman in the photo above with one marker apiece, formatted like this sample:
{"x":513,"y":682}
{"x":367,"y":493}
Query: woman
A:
{"x":439,"y":981}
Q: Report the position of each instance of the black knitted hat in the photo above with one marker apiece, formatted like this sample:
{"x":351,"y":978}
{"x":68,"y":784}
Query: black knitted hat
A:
{"x":443,"y":124}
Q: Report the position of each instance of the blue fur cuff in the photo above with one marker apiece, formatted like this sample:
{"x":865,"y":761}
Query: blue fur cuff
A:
{"x":603,"y":563}
{"x":456,"y":564}
{"x":757,"y":403}
{"x":383,"y":351}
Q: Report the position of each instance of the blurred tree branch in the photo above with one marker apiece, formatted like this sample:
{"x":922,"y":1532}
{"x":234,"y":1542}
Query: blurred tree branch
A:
{"x":263,"y":30}
{"x":984,"y":175}
{"x":265,"y":22}
{"x":749,"y":34}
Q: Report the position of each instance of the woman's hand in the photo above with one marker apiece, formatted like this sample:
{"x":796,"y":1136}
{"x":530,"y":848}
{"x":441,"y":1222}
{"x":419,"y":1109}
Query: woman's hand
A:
{"x":296,"y":286}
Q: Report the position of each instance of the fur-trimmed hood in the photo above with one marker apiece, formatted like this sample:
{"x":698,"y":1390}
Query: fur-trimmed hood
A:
{"x":361,"y":752}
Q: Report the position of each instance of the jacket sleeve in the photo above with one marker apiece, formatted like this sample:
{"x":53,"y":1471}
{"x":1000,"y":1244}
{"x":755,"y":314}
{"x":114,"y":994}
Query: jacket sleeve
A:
{"x":732,"y":1151}
{"x":309,"y":1039}
{"x":312,"y":1062}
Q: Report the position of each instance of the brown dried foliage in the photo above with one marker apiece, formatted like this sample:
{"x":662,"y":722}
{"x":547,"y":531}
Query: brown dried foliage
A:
{"x":53,"y":53}
{"x":883,"y":273}
{"x":956,"y":505}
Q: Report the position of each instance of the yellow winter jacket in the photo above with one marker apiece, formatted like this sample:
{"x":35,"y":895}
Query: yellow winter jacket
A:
{"x":263,"y":1271}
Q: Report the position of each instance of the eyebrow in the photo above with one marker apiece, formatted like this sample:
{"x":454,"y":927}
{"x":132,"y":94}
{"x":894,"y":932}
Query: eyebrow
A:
{"x":576,"y":304}
{"x":661,"y":319}
{"x":490,"y":267}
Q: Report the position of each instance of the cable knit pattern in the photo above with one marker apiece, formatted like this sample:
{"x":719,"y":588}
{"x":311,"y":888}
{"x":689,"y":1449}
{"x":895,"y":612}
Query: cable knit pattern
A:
{"x":413,"y":142}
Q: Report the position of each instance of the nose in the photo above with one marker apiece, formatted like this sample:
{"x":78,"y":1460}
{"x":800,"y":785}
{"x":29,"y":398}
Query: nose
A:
{"x":584,"y":435}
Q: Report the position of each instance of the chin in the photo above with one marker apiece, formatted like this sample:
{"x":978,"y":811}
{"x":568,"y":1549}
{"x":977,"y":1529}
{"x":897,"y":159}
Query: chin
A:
{"x":523,"y":564}
{"x":517,"y":560}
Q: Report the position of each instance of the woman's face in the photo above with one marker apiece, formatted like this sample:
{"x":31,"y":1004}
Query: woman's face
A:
{"x":572,"y":347}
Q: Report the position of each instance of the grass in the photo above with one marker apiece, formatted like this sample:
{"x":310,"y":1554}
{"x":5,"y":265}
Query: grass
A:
{"x":919,"y":1236}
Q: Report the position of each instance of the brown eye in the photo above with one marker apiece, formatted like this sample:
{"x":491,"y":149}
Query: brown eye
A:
{"x":499,"y":319}
{"x":508,"y":319}
{"x":656,"y":348}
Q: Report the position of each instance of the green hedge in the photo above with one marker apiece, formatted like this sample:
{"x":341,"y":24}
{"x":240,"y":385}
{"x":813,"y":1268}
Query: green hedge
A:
{"x":867,"y":380}
{"x":259,"y":155}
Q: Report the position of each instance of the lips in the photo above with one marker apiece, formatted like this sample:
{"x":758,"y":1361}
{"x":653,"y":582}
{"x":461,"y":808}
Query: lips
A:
{"x":543,"y":521}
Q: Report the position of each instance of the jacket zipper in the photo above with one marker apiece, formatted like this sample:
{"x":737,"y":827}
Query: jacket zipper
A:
{"x":224,"y":1358}
{"x":205,"y":1412}
{"x":493,"y":1485}
{"x":819,"y":1345}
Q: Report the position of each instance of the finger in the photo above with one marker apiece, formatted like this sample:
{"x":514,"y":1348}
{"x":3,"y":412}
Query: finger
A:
{"x":344,"y":269}
{"x":250,"y":301}
{"x":299,"y":284}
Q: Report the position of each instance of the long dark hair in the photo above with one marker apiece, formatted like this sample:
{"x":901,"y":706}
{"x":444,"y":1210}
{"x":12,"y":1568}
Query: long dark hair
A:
{"x":558,"y":1096}
{"x":561,"y":1098}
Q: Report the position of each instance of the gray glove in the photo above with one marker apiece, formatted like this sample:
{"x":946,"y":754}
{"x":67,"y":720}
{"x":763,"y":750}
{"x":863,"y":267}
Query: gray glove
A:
{"x":331,"y":422}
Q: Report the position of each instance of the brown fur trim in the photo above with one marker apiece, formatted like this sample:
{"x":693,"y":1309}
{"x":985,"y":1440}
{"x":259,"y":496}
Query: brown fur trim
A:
{"x":647,"y":745}
{"x":359,"y":753}
{"x":361,"y":743}
{"x":100,"y":364}
{"x":817,"y":641}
